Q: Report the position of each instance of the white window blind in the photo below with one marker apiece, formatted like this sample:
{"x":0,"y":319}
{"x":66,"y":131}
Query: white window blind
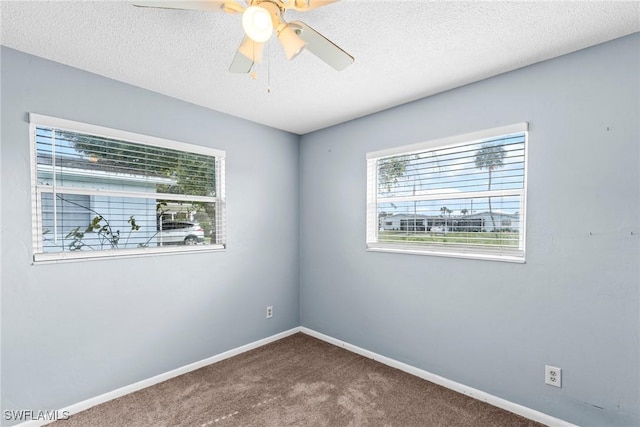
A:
{"x":99,"y":192}
{"x":463,"y":196}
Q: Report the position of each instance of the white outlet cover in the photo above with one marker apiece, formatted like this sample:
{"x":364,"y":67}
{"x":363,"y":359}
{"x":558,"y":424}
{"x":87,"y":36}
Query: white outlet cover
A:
{"x":553,"y":376}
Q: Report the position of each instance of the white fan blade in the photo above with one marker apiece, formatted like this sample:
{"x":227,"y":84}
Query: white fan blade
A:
{"x":322,"y":47}
{"x":305,"y":5}
{"x":241,"y":64}
{"x":231,"y":6}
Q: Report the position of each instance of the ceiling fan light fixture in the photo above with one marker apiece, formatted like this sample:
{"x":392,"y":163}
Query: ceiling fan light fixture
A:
{"x":252,"y":50}
{"x":291,"y":42}
{"x":257,"y":23}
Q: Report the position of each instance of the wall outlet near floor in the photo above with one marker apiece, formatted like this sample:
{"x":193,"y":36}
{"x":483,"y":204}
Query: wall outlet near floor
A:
{"x":269,"y":312}
{"x":553,"y":376}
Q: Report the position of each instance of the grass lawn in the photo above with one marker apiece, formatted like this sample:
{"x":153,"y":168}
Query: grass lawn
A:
{"x":499,"y":238}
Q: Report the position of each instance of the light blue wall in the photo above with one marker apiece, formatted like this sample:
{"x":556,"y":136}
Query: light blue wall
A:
{"x":76,"y":330}
{"x":493,"y":325}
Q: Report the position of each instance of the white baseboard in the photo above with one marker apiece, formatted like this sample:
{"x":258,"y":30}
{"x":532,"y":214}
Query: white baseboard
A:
{"x":460,"y":388}
{"x":523,"y":411}
{"x":122,"y":391}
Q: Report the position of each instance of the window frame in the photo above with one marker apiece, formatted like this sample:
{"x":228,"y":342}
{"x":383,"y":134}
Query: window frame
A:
{"x":372,"y":221}
{"x":40,"y":257}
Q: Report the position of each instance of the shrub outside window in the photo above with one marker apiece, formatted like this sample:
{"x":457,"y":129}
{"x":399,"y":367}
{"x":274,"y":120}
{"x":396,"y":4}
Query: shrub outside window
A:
{"x":463,"y":196}
{"x":100,"y":192}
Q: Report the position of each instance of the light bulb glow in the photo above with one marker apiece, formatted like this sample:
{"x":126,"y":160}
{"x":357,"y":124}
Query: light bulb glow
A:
{"x":257,"y":23}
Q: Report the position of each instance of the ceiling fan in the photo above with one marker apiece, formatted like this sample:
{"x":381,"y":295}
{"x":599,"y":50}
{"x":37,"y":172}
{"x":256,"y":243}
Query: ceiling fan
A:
{"x":260,"y":19}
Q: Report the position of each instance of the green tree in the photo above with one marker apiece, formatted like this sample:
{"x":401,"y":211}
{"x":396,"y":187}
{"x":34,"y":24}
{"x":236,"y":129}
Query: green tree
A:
{"x":490,"y":157}
{"x":391,"y":169}
{"x":194,"y":175}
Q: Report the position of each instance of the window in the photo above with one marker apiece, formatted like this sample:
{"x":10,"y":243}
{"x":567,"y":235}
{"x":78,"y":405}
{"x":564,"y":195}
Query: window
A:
{"x":101,"y":192}
{"x":463,"y":196}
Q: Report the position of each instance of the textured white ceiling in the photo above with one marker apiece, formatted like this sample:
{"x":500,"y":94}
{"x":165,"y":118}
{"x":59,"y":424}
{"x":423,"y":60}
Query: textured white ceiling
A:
{"x":404,"y":50}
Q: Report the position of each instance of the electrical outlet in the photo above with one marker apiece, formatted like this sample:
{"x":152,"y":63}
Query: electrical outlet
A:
{"x":269,"y":312}
{"x":553,"y":376}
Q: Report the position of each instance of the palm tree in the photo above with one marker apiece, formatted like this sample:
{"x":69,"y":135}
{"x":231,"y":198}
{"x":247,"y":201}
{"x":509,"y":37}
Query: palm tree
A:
{"x":490,"y":157}
{"x":445,"y":210}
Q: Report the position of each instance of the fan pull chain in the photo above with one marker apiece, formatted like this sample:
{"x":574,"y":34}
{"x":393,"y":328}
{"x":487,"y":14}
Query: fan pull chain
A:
{"x":253,"y":74}
{"x":252,"y":71}
{"x":268,"y":67}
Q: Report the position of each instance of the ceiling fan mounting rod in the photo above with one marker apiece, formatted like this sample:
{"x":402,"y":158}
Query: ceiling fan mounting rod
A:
{"x":278,"y":3}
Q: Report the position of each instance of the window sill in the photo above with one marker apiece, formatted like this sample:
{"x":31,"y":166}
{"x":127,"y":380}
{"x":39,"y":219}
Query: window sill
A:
{"x":462,"y":255}
{"x":58,"y":257}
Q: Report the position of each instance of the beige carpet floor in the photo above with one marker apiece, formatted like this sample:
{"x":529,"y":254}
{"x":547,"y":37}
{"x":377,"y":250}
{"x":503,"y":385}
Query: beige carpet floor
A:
{"x":296,"y":381}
